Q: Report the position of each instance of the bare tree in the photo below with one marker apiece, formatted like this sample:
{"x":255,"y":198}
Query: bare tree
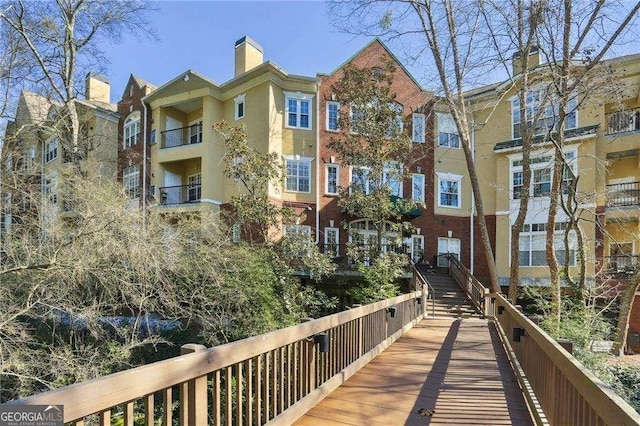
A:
{"x":60,"y":40}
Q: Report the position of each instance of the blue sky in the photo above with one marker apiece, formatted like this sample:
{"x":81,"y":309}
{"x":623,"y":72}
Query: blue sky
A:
{"x":200,"y":35}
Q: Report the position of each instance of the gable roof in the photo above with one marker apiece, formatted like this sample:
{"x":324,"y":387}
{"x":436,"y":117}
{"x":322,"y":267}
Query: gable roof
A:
{"x":142,"y":82}
{"x":389,"y":52}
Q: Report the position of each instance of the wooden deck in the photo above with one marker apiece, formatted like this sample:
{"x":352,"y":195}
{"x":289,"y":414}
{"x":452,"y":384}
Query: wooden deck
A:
{"x":443,"y":371}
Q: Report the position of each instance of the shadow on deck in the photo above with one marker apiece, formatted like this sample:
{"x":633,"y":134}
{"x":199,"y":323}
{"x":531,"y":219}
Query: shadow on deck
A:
{"x":441,"y":371}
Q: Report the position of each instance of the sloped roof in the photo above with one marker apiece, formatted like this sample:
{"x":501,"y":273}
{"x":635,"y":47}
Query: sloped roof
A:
{"x":142,"y":82}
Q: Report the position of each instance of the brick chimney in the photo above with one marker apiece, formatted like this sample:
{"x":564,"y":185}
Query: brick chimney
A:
{"x":248,"y":55}
{"x":97,"y":88}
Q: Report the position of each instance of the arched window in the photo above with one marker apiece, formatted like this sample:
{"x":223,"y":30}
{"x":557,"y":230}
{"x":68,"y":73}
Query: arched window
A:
{"x":131,"y":129}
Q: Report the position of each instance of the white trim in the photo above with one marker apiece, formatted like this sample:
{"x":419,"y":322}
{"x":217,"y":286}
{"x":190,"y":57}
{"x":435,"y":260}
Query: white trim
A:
{"x":209,"y":200}
{"x":449,"y":177}
{"x":337,"y":242}
{"x":503,"y":213}
{"x":424,"y":125}
{"x":298,"y":97}
{"x":240,"y":99}
{"x":135,"y":118}
{"x":297,"y":157}
{"x":413,"y":186}
{"x":326,"y":124}
{"x":326,"y":178}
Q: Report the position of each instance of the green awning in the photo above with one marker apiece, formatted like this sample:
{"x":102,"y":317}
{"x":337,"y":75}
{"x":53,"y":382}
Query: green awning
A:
{"x":409,"y":214}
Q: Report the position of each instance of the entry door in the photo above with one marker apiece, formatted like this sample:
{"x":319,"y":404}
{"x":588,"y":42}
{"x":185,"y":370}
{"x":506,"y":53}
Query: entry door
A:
{"x":173,"y":188}
{"x":447,"y":246}
{"x":172,"y":136}
{"x":417,"y":248}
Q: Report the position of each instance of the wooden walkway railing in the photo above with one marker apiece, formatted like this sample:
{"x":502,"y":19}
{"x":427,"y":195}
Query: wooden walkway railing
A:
{"x":469,"y":284}
{"x":558,"y":388}
{"x":272,"y":377}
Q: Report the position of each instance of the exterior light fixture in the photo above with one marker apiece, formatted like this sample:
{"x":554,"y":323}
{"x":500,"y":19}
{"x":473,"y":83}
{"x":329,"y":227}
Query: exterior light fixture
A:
{"x":500,"y":310}
{"x":322,"y":339}
{"x":392,"y":311}
{"x":517,"y":333}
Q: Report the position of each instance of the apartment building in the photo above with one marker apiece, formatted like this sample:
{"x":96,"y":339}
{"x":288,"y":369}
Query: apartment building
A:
{"x":277,"y":109}
{"x":35,"y":152}
{"x":439,"y":183}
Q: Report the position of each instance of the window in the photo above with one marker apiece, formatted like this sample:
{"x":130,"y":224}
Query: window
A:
{"x":447,"y":246}
{"x":363,"y":181}
{"x":332,"y":241}
{"x":236,"y":233}
{"x":298,"y":175}
{"x":396,"y":126}
{"x":449,"y":190}
{"x":357,"y":117}
{"x":131,"y":181}
{"x":547,"y":120}
{"x":298,"y":110}
{"x":195,"y":132}
{"x":49,"y":189}
{"x":418,"y":121}
{"x":195,"y":187}
{"x":333,"y":113}
{"x":51,"y":150}
{"x":239,"y":108}
{"x":132,"y":129}
{"x":447,"y":131}
{"x":533,"y":243}
{"x":32,"y":157}
{"x":333,"y":179}
{"x":542,"y":173}
{"x":417,"y":185}
{"x":299,"y":237}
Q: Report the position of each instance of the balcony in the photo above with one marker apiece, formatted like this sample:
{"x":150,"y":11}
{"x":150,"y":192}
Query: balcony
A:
{"x":346,"y":254}
{"x":623,"y":121}
{"x":623,"y":264}
{"x":182,"y":194}
{"x":182,"y":136}
{"x":623,"y":194}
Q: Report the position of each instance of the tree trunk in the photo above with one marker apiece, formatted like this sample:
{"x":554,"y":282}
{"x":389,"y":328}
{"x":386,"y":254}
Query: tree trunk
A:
{"x":620,"y":342}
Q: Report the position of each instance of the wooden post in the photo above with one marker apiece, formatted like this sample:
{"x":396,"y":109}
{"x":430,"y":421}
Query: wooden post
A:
{"x":423,"y":297}
{"x":193,"y":395}
{"x":360,"y":343}
{"x":487,"y":303}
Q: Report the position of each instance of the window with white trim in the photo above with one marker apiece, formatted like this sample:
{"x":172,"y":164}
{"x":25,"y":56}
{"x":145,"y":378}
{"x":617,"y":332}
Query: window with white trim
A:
{"x":195,"y":187}
{"x":51,"y":150}
{"x":535,"y":100}
{"x":195,"y":132}
{"x":49,"y":189}
{"x":131,"y":129}
{"x":298,"y":177}
{"x":362,"y":179}
{"x":533,"y":245}
{"x":447,"y":131}
{"x":447,"y":246}
{"x":449,"y":190}
{"x":298,"y":110}
{"x":332,"y":186}
{"x":332,"y":241}
{"x":131,"y":181}
{"x":299,"y":238}
{"x":418,"y":127}
{"x":239,"y":106}
{"x":357,"y":117}
{"x":333,"y":114}
{"x":417,"y":187}
{"x":32,"y":157}
{"x":542,"y":174}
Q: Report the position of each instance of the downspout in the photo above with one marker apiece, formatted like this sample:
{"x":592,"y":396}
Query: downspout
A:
{"x":318,"y":183}
{"x":144,"y":167}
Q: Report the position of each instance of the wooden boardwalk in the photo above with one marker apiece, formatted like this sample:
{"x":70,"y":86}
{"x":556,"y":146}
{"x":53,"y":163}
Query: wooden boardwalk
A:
{"x":443,"y":371}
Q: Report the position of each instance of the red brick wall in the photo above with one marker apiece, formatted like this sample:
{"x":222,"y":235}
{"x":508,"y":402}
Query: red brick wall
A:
{"x":134,"y":155}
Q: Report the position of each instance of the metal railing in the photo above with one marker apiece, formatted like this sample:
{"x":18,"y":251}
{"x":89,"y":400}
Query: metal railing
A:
{"x":623,"y":194}
{"x":626,"y":263}
{"x":557,"y":387}
{"x":181,"y":136}
{"x":275,"y":377}
{"x":181,"y":194}
{"x":623,"y":121}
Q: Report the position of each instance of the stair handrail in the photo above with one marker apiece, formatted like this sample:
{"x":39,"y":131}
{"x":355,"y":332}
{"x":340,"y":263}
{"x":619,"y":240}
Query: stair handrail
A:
{"x":431,"y":292}
{"x":473,"y":288}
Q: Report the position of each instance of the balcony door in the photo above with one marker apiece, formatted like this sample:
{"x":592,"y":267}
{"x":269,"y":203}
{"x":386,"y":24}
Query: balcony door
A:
{"x":173,"y":137}
{"x":173,"y":188}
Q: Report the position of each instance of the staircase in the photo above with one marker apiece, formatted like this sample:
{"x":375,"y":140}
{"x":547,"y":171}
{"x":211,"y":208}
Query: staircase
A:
{"x":450,"y":300}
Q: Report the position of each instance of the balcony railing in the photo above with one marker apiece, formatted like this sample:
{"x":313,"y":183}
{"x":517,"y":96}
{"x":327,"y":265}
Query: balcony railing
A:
{"x":182,"y":136}
{"x":348,"y":254}
{"x":623,"y":121}
{"x":623,"y":263}
{"x":623,"y":194}
{"x":182,"y":194}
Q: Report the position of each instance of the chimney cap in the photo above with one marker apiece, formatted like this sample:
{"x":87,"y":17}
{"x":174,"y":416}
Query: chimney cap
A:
{"x":249,"y":40}
{"x":98,"y":76}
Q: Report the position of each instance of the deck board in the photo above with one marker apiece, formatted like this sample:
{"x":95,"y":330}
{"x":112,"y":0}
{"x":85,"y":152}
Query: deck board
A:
{"x":456,"y":368}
